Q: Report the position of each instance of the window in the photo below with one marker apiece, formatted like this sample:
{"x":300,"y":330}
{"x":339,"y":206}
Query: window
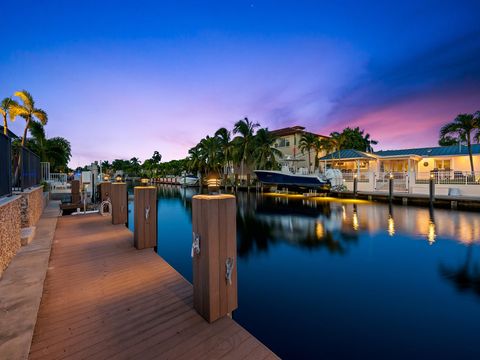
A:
{"x":442,"y":164}
{"x":283,"y":143}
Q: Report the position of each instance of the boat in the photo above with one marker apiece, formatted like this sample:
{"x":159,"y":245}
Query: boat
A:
{"x":188,"y":180}
{"x":298,"y":180}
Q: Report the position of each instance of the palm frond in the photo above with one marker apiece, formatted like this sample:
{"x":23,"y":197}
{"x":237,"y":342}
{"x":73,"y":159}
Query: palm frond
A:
{"x":41,"y":115}
{"x":26,"y":98}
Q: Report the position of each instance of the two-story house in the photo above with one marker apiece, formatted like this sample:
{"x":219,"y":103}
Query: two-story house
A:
{"x":288,"y":143}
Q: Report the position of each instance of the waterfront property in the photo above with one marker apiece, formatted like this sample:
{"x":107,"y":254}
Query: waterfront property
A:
{"x":288,"y":143}
{"x":411,"y":169}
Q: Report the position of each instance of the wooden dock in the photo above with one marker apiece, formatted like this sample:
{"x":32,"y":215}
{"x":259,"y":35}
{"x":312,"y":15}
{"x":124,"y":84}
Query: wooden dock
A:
{"x":104,"y":299}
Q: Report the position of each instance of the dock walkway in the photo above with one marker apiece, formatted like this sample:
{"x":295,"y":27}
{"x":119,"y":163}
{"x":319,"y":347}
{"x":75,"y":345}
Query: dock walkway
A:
{"x":104,"y":299}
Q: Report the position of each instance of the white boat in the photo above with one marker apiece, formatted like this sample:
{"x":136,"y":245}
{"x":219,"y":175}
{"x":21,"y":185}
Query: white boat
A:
{"x":188,"y":180}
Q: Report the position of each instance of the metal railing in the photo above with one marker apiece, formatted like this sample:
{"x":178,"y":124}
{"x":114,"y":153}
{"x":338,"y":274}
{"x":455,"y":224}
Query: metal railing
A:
{"x":362,"y":176}
{"x":58,"y":178}
{"x":400,"y":181}
{"x":448,"y":177}
{"x":45,"y":168}
{"x":30,"y":173}
{"x":5,"y":165}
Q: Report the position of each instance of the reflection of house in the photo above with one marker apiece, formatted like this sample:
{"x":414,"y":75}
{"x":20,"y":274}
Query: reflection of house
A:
{"x":288,"y":142}
{"x":448,"y":165}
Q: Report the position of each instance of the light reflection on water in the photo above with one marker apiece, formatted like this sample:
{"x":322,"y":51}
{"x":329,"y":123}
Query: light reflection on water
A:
{"x":322,"y":278}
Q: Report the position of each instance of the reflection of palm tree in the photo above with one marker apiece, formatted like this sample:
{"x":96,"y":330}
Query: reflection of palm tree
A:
{"x":465,"y":277}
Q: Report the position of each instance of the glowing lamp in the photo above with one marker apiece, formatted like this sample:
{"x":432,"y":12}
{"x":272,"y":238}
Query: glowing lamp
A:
{"x":118,"y":178}
{"x":105,"y":178}
{"x":144,"y":181}
{"x":391,"y":176}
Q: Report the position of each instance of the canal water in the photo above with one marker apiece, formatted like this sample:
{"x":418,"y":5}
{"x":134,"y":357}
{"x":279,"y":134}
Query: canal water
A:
{"x":329,"y":279}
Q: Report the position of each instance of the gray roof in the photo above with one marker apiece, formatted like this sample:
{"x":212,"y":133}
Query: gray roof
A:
{"x":432,"y":151}
{"x":348,"y":154}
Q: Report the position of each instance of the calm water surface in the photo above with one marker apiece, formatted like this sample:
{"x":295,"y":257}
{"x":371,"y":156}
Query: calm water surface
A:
{"x":333,"y":280}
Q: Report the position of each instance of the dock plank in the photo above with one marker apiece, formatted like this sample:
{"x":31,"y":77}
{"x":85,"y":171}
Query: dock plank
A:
{"x":104,"y":299}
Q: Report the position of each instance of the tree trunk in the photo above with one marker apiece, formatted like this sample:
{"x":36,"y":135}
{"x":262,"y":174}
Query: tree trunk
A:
{"x":19,"y":164}
{"x":470,"y":154}
{"x":309,"y":160}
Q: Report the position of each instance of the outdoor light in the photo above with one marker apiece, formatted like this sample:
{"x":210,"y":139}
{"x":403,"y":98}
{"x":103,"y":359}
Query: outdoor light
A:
{"x":118,"y":178}
{"x":144,"y":181}
{"x":431,"y":176}
{"x":105,"y":178}
{"x":391,"y":176}
{"x":355,"y":176}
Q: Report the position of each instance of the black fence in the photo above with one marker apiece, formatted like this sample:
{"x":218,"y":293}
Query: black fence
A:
{"x":30,"y":174}
{"x":5,"y":166}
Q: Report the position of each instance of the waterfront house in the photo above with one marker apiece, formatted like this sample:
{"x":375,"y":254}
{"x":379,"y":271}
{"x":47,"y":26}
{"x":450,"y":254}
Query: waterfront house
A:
{"x":288,"y":140}
{"x":411,"y":168}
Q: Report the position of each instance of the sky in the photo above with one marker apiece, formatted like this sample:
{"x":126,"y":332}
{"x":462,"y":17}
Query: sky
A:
{"x":125,"y":78}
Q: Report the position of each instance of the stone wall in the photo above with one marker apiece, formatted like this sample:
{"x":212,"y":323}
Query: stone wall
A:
{"x":32,"y":205}
{"x":10,"y":224}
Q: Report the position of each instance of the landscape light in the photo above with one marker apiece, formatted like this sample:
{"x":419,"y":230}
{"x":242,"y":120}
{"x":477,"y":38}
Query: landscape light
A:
{"x":118,"y":178}
{"x":105,"y":178}
{"x":144,"y":181}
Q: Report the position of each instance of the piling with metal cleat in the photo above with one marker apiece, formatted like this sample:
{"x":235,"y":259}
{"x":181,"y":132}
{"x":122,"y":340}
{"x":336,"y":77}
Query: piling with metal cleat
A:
{"x":390,"y":188}
{"x":355,"y":185}
{"x":105,"y":190}
{"x":119,"y":199}
{"x":432,"y":189}
{"x":145,"y":217}
{"x":214,"y":255}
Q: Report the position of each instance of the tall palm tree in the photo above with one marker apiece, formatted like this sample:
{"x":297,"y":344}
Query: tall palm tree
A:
{"x":244,"y":142}
{"x":5,"y":109}
{"x":225,"y":143}
{"x":307,"y":144}
{"x":195,"y":161}
{"x":265,"y":154}
{"x":29,"y":113}
{"x":369,"y":142}
{"x":465,"y":127}
{"x":321,"y":144}
{"x":211,"y":154}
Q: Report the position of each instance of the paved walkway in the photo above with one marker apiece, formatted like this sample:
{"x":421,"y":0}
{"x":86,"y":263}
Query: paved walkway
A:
{"x":104,"y":299}
{"x":21,"y":288}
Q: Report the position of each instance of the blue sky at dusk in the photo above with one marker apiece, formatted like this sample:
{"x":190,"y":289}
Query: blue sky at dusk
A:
{"x":122,"y":79}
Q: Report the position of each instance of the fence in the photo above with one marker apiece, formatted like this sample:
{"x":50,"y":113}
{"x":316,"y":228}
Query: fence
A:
{"x":45,"y":168}
{"x":5,"y":166}
{"x":58,"y":178}
{"x":400,"y":181}
{"x":30,"y":169}
{"x":449,"y":177}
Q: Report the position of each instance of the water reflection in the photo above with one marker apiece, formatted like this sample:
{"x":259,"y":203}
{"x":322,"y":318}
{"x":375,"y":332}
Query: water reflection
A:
{"x":466,"y":276}
{"x":351,"y":272}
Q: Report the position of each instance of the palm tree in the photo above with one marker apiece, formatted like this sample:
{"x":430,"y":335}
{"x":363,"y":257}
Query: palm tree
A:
{"x":244,"y":143}
{"x":224,"y":141}
{"x":195,"y":161}
{"x":265,"y":152}
{"x":369,"y":142}
{"x":321,"y":144}
{"x":29,"y":112}
{"x":307,"y":144}
{"x":56,"y":150}
{"x":463,"y":128}
{"x":5,"y":109}
{"x":210,"y":153}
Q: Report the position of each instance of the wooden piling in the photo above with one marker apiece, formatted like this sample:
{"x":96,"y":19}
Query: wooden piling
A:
{"x":75,"y":189}
{"x":119,"y":203}
{"x":145,"y":217}
{"x":214,"y":226}
{"x":432,"y":190}
{"x":105,"y":190}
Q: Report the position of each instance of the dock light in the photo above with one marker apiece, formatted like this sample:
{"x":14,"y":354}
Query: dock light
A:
{"x":432,"y":176}
{"x":106,"y":177}
{"x":144,"y":181}
{"x":391,"y":176}
{"x":118,"y":178}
